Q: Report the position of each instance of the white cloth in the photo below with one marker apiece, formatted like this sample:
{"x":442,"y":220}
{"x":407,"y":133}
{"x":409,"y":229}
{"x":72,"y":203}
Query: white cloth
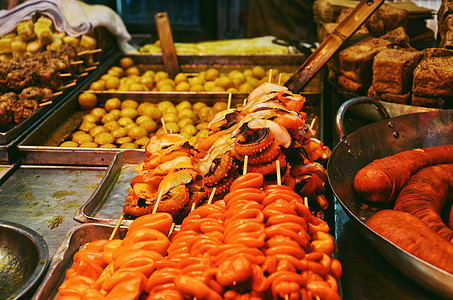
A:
{"x":71,"y":16}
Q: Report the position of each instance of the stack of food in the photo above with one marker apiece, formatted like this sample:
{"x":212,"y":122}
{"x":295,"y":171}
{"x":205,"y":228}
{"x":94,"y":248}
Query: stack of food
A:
{"x":382,"y":63}
{"x":37,"y":63}
{"x":258,"y":242}
{"x":267,"y":135}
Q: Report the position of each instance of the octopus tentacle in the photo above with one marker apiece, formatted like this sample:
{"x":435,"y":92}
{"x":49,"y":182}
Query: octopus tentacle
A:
{"x":253,"y":141}
{"x":175,"y":200}
{"x":220,"y":169}
{"x":270,"y":168}
{"x":267,"y":155}
{"x":134,"y":211}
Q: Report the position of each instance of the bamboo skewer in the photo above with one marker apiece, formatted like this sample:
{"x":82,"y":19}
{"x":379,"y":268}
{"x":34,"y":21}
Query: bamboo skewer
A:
{"x":68,"y":85}
{"x":45,"y":103}
{"x":116,"y":227}
{"x":269,"y":79}
{"x":85,"y":52}
{"x":158,"y":201}
{"x":76,"y":62}
{"x":211,"y":196}
{"x":82,"y":74}
{"x":171,"y":228}
{"x":91,"y":68}
{"x":246,"y":160}
{"x":229,"y":100}
{"x":279,"y":79}
{"x":57,"y":94}
{"x":163,"y":124}
{"x":63,"y":75}
{"x":279,"y":177}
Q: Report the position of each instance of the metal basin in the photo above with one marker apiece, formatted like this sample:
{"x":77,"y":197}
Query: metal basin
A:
{"x":23,"y":259}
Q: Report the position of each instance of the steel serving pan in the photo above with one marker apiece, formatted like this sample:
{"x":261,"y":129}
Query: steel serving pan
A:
{"x":380,"y":139}
{"x":24,"y":257}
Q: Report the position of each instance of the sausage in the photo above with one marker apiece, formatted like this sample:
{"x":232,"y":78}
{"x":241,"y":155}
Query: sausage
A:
{"x":161,"y":221}
{"x":425,"y":195}
{"x":85,"y":268}
{"x":193,"y":287}
{"x":233,"y":270}
{"x":382,"y":179}
{"x":252,"y":179}
{"x":412,"y":235}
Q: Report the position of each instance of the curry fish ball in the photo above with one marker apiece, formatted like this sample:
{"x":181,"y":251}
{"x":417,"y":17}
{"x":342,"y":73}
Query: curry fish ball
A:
{"x":124,"y":140}
{"x":211,"y":74}
{"x":232,"y":90}
{"x":180,"y":77}
{"x":163,"y":82}
{"x":182,"y":87}
{"x":219,"y":106}
{"x":89,"y":118}
{"x":112,"y":103}
{"x":193,"y":140}
{"x":172,"y":127}
{"x":104,"y":138}
{"x":246,"y":87}
{"x":97,"y":129}
{"x":186,"y":134}
{"x":152,"y":111}
{"x":166,"y":88}
{"x":116,"y":71}
{"x":126,"y":62}
{"x":82,"y":138}
{"x":130,"y":125}
{"x":129,"y":103}
{"x":147,"y":81}
{"x":110,"y":126}
{"x":258,"y":72}
{"x":89,"y":145}
{"x":187,"y":114}
{"x":143,"y":141}
{"x":129,"y":112}
{"x":195,"y":81}
{"x":206,"y":114}
{"x":137,"y":87}
{"x":149,"y":73}
{"x":87,"y":126}
{"x":123,"y":121}
{"x":202,"y":125}
{"x":108,"y":146}
{"x":141,"y":107}
{"x":170,"y":117}
{"x":119,"y":132}
{"x":198,"y":105}
{"x":129,"y":146}
{"x":98,"y":112}
{"x":209,"y":86}
{"x":150,"y":125}
{"x":218,"y":89}
{"x":143,"y":118}
{"x":112,"y":83}
{"x":224,"y":82}
{"x":161,"y":106}
{"x":98,"y":85}
{"x":183,"y":105}
{"x":170,"y":110}
{"x":87,"y":100}
{"x":160,"y":132}
{"x":192,"y":130}
{"x":184,"y":122}
{"x":69,"y":144}
{"x":109,"y":117}
{"x":132,"y":71}
{"x":247,"y":72}
{"x":197,"y":88}
{"x":160,"y":75}
{"x":137,"y":132}
{"x":116,"y":112}
{"x":202,"y":133}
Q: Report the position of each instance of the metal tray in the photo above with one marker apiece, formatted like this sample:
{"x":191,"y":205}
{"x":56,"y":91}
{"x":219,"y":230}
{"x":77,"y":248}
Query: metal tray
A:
{"x":45,"y":198}
{"x":62,"y":260}
{"x":41,"y":145}
{"x":106,"y":203}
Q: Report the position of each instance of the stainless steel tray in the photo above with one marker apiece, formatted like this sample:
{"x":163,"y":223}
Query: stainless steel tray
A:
{"x":62,"y":260}
{"x":45,"y":198}
{"x":106,"y":203}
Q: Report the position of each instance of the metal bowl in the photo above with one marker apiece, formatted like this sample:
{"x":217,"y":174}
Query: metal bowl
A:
{"x":24,"y":257}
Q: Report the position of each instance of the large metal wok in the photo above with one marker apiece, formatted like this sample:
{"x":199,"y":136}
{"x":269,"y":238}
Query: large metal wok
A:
{"x":383,"y":138}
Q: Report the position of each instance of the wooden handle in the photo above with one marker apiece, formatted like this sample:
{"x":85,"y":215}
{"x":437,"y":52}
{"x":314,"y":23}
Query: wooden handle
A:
{"x":166,"y":42}
{"x":332,"y":43}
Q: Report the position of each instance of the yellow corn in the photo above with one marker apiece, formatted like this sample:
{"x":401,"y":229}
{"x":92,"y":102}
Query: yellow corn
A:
{"x":45,"y":35}
{"x":55,"y":45}
{"x":25,"y":30}
{"x":70,"y":40}
{"x":5,"y":45}
{"x":88,"y":42}
{"x":18,"y":47}
{"x":33,"y":46}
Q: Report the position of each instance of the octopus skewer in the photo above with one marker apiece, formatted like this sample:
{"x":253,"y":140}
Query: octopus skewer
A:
{"x":116,"y":227}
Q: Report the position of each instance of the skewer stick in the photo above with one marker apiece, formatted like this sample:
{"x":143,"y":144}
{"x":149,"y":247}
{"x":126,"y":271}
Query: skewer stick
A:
{"x":171,"y":228}
{"x":212,"y":195}
{"x":62,"y":75}
{"x":312,"y":124}
{"x":68,"y":85}
{"x":91,"y":68}
{"x":270,"y":76}
{"x":163,"y":124}
{"x":158,"y":201}
{"x":116,"y":227}
{"x":57,"y":94}
{"x":279,"y":78}
{"x":85,"y":52}
{"x":279,"y":177}
{"x":82,"y":74}
{"x":306,"y":201}
{"x":76,"y":62}
{"x":246,"y":160}
{"x":245,"y":102}
{"x":229,"y":100}
{"x":44,"y":103}
{"x":193,"y":207}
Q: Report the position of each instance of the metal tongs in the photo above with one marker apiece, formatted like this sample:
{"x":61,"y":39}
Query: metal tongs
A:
{"x":332,"y":43}
{"x":302,"y":46}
